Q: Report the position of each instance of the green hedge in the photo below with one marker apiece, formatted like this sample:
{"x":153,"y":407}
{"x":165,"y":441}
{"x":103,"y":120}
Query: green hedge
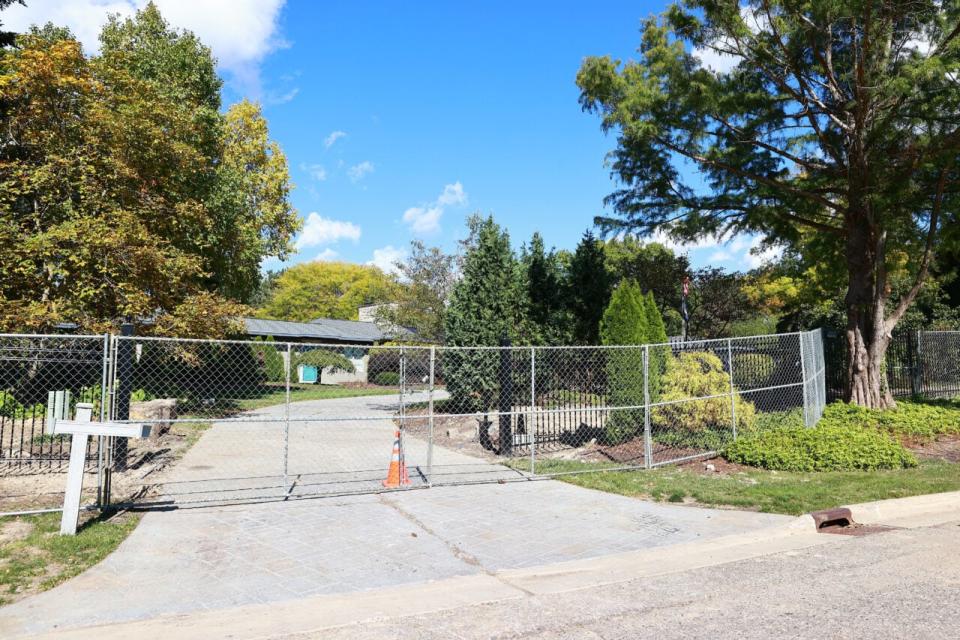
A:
{"x":387,"y":379}
{"x":826,"y":447}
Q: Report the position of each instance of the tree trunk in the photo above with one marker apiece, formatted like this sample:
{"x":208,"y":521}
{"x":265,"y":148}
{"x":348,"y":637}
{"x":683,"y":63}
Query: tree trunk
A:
{"x":867,"y":333}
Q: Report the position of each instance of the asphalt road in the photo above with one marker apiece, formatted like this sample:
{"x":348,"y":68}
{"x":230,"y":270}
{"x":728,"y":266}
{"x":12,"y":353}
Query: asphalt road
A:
{"x":898,"y":584}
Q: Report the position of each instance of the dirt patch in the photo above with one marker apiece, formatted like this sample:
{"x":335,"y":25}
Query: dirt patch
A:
{"x":462,"y":433}
{"x":943,"y":448}
{"x":14,"y":530}
{"x":41,"y":485}
{"x":715,"y":466}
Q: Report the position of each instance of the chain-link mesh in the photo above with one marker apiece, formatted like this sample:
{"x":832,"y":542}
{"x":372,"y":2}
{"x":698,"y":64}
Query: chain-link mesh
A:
{"x":42,"y":379}
{"x":261,"y":420}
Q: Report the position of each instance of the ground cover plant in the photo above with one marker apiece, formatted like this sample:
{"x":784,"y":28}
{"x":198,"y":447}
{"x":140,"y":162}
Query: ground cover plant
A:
{"x":34,"y":557}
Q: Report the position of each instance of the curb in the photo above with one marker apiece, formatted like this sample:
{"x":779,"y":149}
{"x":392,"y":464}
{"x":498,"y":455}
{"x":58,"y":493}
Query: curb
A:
{"x":908,"y":513}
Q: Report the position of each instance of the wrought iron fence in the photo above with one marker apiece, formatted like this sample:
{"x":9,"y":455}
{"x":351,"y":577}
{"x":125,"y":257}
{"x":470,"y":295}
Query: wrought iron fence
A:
{"x":918,"y":364}
{"x":241,"y":420}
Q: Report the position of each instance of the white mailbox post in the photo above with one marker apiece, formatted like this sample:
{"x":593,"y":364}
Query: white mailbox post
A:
{"x":81,"y":428}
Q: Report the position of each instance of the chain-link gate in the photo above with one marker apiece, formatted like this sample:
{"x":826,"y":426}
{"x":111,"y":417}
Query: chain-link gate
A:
{"x":249,"y":420}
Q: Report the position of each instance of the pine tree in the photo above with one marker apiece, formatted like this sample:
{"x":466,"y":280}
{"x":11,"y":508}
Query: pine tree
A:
{"x":588,"y":288}
{"x":624,"y":323}
{"x":481,"y":313}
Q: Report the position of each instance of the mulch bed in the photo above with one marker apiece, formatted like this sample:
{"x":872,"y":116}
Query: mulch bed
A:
{"x":943,"y":448}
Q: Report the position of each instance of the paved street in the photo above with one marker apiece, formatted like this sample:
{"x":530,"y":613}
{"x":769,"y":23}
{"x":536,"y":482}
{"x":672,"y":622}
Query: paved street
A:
{"x":901,"y":584}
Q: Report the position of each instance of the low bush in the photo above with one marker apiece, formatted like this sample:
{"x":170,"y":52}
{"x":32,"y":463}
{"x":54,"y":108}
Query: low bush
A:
{"x":826,"y":447}
{"x":387,"y":379}
{"x":919,"y":421}
{"x":695,"y":375}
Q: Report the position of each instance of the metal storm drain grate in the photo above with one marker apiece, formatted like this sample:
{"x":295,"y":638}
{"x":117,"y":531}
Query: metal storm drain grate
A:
{"x":840,"y":521}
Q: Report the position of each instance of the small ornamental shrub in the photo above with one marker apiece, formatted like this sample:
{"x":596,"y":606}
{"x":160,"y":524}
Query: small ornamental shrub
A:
{"x":692,"y":375}
{"x":753,"y":370}
{"x":624,"y":323}
{"x":323,"y":359}
{"x":387,"y":379}
{"x":821,"y":448}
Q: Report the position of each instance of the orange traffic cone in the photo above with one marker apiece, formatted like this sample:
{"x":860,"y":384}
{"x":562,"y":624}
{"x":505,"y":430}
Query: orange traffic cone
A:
{"x":397,"y":473}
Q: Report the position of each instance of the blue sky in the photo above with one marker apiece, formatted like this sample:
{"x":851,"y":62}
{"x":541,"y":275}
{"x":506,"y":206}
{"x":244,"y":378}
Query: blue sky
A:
{"x":399,"y":119}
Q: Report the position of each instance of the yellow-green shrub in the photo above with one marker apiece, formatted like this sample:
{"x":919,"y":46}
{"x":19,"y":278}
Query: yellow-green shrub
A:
{"x":697,"y":374}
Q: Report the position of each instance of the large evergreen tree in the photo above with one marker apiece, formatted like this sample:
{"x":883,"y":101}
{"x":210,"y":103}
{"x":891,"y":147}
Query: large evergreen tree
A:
{"x":624,"y":323}
{"x":587,"y":290}
{"x":481,"y":313}
{"x":839,"y":117}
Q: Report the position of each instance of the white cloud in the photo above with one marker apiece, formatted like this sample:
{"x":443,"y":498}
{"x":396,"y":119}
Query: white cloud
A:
{"x":317,"y":171}
{"x":333,"y":137}
{"x":326,"y":255}
{"x":318,"y":231}
{"x":386,"y":258}
{"x":425,"y":219}
{"x":240,"y":32}
{"x":720,"y":256}
{"x":452,"y":194}
{"x":358,"y":171}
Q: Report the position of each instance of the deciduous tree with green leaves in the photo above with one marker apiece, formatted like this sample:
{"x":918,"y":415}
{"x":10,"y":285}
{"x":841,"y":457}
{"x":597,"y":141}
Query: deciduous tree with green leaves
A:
{"x":336,"y":290}
{"x":837,"y":116}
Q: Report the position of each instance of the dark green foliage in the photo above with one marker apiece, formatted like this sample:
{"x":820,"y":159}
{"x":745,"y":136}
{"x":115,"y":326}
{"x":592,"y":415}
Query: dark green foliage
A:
{"x":322,"y":359}
{"x":847,"y":447}
{"x":387,"y":379}
{"x":588,"y":289}
{"x":546,"y":318}
{"x":198,"y":372}
{"x":624,"y":323}
{"x":271,"y":360}
{"x":481,"y":312}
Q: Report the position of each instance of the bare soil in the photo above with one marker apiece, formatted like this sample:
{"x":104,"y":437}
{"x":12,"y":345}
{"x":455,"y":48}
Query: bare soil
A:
{"x":462,"y":434}
{"x":945,"y":447}
{"x":27,"y":485}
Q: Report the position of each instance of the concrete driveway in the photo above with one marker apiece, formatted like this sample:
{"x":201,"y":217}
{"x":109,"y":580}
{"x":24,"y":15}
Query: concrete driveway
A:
{"x":195,"y":559}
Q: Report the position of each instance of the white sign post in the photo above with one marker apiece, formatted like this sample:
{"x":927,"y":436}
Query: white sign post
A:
{"x":81,"y":428}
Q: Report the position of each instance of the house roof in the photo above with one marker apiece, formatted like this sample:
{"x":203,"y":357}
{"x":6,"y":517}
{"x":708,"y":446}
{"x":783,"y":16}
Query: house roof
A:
{"x":321,"y":329}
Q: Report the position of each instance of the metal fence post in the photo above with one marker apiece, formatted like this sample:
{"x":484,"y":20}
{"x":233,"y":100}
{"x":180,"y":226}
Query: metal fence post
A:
{"x":286,"y":419}
{"x":647,"y":435}
{"x":125,"y":355}
{"x":430,"y":421}
{"x":919,"y":365}
{"x":532,"y":420}
{"x":733,"y":403}
{"x":403,"y":388}
{"x":104,"y":416}
{"x":803,"y":376}
{"x":505,"y":406}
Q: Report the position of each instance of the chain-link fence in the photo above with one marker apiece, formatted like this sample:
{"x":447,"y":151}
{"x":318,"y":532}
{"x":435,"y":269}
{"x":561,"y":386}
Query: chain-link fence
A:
{"x":42,"y":379}
{"x":261,"y":420}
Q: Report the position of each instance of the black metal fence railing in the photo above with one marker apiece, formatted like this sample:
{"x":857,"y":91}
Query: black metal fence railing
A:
{"x":918,"y":364}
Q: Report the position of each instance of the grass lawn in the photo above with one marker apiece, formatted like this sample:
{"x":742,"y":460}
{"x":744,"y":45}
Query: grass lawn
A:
{"x":770,"y":491}
{"x":34,"y":557}
{"x":312,"y":392}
